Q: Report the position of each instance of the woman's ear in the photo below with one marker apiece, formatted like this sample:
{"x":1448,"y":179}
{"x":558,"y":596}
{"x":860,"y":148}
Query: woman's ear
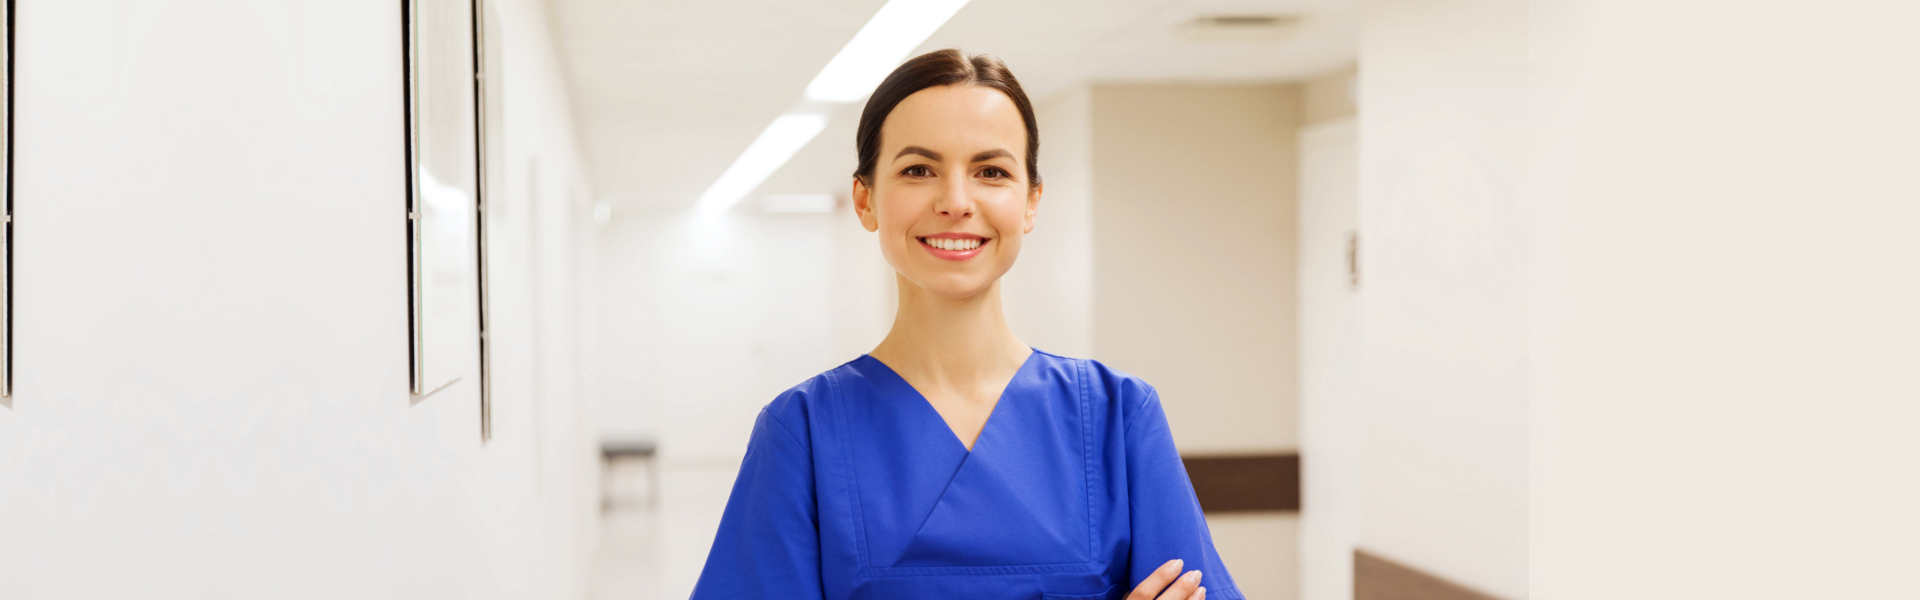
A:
{"x":1033,"y":205}
{"x":863,"y":205}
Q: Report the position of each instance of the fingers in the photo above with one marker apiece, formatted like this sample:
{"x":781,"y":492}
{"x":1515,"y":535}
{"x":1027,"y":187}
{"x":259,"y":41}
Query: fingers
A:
{"x":1152,"y":585}
{"x":1183,"y":588}
{"x":1187,"y":587}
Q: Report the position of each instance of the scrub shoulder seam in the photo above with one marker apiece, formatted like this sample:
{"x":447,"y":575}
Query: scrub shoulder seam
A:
{"x":790,"y":436}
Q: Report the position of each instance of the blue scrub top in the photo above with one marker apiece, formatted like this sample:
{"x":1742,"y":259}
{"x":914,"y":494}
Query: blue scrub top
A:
{"x":854,"y":487}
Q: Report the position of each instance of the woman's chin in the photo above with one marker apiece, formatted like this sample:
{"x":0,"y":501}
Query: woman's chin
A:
{"x":953,"y":286}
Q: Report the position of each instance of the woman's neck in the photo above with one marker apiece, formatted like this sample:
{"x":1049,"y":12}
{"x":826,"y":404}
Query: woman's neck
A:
{"x":949,"y":340}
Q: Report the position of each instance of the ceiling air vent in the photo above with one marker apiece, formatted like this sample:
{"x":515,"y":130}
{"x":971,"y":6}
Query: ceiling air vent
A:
{"x":1238,"y":27}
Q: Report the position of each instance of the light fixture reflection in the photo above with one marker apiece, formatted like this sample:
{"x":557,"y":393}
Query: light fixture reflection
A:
{"x":899,"y":27}
{"x":785,"y":136}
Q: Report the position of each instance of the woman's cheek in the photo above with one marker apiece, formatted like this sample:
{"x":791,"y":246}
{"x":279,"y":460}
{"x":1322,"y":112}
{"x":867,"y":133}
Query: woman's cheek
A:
{"x":896,"y":239}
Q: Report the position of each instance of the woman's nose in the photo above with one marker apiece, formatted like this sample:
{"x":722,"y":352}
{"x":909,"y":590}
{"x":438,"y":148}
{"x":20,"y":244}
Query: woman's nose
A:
{"x":955,"y":202}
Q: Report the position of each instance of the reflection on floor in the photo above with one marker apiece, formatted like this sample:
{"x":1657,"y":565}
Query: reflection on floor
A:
{"x":656,"y":553}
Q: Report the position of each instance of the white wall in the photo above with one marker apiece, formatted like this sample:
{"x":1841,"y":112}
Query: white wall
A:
{"x":211,"y":369}
{"x":1666,"y":348}
{"x":864,"y":294}
{"x":1049,"y":293}
{"x":540,"y":243}
{"x":1443,"y":193}
{"x":1725,"y":289}
{"x":1330,"y":359}
{"x":711,"y":316}
{"x":1194,"y":239}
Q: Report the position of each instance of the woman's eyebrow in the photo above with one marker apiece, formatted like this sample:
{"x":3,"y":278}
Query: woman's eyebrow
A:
{"x":917,"y":150}
{"x":991,"y":154}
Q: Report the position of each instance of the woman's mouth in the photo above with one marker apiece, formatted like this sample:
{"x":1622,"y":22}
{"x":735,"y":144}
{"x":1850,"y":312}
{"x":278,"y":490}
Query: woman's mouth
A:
{"x":953,"y":247}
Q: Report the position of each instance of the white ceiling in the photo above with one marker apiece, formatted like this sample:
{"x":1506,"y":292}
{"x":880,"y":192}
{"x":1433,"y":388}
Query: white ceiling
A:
{"x":668,"y":93}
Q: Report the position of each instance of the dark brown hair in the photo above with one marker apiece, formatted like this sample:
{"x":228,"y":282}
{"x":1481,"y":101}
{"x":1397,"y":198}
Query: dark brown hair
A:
{"x":933,"y":69}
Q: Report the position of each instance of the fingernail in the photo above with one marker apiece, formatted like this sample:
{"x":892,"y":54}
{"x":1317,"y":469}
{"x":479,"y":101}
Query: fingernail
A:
{"x":1200,"y":593}
{"x":1174,"y":565}
{"x":1191,"y":577}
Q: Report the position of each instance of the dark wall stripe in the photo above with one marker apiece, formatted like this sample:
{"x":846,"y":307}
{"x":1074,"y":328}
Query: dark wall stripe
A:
{"x":1376,"y":578}
{"x":1246,"y":483}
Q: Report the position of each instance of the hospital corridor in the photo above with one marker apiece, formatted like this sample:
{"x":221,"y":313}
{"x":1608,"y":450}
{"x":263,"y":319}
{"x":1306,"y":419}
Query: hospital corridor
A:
{"x":666,"y":299}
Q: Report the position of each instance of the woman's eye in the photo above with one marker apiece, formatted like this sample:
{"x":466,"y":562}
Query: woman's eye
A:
{"x":917,"y":171}
{"x":993,"y":173}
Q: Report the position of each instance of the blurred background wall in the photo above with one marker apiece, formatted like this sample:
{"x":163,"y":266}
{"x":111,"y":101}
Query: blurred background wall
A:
{"x":1328,"y":321}
{"x":1444,"y":190}
{"x":211,"y":380}
{"x":1723,"y":335}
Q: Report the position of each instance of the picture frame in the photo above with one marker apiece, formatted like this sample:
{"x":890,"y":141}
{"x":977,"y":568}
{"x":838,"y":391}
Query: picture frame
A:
{"x":447,"y":151}
{"x":6,"y":206}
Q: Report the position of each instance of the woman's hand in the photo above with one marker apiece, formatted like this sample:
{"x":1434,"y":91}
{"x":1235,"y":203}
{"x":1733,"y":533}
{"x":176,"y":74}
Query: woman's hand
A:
{"x":1186,"y":588}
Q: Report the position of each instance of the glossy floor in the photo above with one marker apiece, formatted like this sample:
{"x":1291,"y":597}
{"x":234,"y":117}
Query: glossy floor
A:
{"x":648,"y":553}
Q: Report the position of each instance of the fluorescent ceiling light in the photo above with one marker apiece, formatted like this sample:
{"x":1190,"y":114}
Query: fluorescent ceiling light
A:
{"x":798,"y":203}
{"x":897,"y":29}
{"x":785,"y":136}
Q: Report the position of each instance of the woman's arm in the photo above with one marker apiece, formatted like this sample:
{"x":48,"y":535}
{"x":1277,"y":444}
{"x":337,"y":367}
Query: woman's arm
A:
{"x":769,"y":540}
{"x":1167,"y":522}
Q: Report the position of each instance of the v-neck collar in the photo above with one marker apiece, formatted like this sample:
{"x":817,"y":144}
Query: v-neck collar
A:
{"x":1032,"y":353}
{"x":1019,"y":499}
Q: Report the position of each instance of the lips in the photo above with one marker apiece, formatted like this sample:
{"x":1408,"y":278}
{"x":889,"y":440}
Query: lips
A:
{"x":954,"y":246}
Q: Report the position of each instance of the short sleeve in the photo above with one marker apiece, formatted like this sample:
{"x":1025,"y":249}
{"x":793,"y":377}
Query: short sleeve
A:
{"x":768,"y":545}
{"x":1166,"y":518}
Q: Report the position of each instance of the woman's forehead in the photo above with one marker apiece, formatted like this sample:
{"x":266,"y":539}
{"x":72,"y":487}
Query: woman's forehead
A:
{"x":963,"y":119}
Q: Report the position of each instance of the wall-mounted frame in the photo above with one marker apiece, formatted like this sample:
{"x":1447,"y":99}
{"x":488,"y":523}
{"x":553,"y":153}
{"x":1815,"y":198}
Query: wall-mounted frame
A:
{"x":446,"y":130}
{"x":6,"y":206}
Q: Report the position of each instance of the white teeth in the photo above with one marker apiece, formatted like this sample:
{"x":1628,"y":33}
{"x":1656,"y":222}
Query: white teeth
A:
{"x":953,"y":244}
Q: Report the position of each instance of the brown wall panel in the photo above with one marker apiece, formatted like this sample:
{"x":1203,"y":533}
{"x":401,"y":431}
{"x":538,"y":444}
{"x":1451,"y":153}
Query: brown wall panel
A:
{"x":1248,"y":483}
{"x":1376,"y":578}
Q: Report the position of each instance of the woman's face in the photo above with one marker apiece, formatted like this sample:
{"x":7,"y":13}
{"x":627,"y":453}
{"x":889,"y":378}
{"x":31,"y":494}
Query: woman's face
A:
{"x":950,"y":196}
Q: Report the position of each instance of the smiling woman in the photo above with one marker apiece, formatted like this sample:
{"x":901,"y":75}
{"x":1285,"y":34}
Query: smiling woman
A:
{"x":954,"y":460}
